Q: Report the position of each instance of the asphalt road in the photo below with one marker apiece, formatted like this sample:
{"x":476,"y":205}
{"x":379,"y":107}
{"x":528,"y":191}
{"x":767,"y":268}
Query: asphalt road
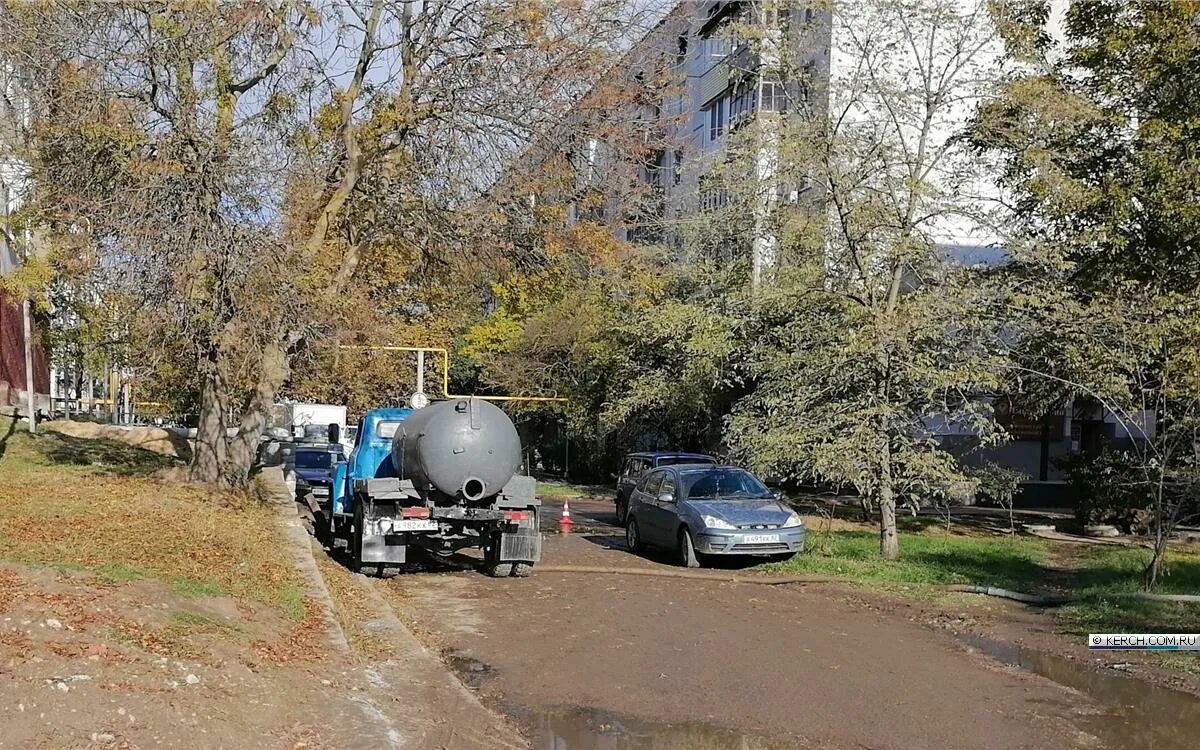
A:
{"x":619,"y":661}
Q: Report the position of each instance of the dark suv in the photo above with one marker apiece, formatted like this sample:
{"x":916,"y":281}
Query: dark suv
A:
{"x":636,"y":464}
{"x":314,"y":466}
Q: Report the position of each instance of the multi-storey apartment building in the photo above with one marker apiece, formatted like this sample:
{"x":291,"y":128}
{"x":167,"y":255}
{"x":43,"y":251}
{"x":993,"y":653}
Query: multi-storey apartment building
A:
{"x":721,"y":65}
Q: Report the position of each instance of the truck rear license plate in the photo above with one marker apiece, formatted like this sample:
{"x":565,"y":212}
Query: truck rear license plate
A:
{"x":414,"y":524}
{"x":761,"y":539}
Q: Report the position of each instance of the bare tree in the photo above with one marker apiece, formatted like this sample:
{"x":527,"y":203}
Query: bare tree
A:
{"x":216,"y":157}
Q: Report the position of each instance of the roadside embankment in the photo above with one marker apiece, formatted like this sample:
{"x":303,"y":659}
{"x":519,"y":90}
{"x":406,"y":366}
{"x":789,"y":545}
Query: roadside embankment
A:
{"x":138,"y":612}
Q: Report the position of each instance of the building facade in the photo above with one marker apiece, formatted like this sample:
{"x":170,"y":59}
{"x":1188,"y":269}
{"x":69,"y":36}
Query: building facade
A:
{"x":726,"y":65}
{"x":16,"y":317}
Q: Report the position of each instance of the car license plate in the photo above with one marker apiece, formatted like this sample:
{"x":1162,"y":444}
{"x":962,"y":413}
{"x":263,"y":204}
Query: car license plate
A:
{"x":321,"y":491}
{"x":414,"y":524}
{"x":761,"y":539}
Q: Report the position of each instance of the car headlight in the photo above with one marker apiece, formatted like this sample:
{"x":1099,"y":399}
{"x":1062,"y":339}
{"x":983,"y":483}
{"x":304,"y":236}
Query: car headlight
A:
{"x":793,"y":521}
{"x":713,"y":522}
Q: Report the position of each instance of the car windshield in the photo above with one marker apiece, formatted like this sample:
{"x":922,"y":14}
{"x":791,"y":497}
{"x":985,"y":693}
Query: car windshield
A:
{"x":675,"y":460}
{"x":313,"y":459}
{"x":722,"y":483}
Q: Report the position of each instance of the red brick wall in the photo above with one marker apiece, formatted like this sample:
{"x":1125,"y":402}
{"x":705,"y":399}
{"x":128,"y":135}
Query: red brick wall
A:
{"x":12,"y":349}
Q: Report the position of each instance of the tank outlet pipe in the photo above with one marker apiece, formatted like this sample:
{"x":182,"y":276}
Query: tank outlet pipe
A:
{"x":473,"y":488}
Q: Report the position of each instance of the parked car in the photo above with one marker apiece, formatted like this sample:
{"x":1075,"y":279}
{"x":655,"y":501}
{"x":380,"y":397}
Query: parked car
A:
{"x":636,"y":464}
{"x":699,"y":509}
{"x":314,"y":466}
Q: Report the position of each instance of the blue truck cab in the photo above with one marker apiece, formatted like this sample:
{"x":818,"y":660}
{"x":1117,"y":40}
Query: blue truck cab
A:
{"x":371,"y":457}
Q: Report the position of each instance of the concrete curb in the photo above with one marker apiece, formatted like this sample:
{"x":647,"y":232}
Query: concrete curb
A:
{"x":284,"y":501}
{"x":475,"y":726}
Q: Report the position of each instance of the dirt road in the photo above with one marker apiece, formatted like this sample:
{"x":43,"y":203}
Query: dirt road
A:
{"x":618,"y":661}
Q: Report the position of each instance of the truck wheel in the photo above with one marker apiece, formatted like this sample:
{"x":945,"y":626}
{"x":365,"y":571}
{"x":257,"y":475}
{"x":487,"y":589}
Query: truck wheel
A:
{"x":521,"y":570}
{"x":498,"y":570}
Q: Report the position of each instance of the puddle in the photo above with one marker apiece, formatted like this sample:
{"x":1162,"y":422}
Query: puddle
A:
{"x":1133,"y":714}
{"x":586,"y":729}
{"x":470,"y":671}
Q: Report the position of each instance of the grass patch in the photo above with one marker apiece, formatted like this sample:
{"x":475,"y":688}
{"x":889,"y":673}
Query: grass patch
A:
{"x":292,"y":600}
{"x":550,"y":489}
{"x":88,"y":504}
{"x":1118,"y":615}
{"x":1106,"y":569}
{"x":69,"y":454}
{"x":184,"y":587}
{"x":196,"y":621}
{"x":931,"y":558}
{"x":926,"y":559}
{"x":116,"y":572}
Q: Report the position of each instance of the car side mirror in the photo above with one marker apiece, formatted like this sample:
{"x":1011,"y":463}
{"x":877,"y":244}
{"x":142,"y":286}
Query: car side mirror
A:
{"x":666,"y":497}
{"x":612,"y":475}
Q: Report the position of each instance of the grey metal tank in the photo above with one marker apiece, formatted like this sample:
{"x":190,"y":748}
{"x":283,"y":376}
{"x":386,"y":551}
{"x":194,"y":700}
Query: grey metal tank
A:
{"x":465,"y":448}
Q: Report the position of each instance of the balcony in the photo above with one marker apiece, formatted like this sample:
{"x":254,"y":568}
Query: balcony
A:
{"x":711,"y":84}
{"x":743,"y":59}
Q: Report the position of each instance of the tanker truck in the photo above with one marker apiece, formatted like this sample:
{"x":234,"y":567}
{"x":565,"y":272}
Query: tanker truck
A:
{"x":438,"y":479}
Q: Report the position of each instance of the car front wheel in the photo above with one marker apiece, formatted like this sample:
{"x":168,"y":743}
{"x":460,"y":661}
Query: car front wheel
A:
{"x":633,"y":537}
{"x":687,"y":550}
{"x":622,"y":511}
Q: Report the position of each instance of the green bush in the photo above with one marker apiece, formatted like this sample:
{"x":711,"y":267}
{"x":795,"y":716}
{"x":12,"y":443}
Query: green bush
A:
{"x":1109,"y":488}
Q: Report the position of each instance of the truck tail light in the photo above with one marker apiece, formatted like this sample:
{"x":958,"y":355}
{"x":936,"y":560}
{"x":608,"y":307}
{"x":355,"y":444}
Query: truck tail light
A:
{"x":414,"y":513}
{"x":516,"y":515}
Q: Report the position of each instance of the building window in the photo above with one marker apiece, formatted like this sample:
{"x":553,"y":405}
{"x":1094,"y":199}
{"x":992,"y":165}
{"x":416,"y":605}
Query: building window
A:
{"x":654,"y":168}
{"x":677,"y":167}
{"x":714,"y":48}
{"x":808,"y":81}
{"x":712,"y":196}
{"x":743,"y":103}
{"x":717,"y":112}
{"x":774,"y":97}
{"x":681,"y":51}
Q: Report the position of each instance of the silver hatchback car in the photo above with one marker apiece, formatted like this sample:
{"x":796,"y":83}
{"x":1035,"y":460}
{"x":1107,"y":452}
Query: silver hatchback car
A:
{"x":698,"y":509}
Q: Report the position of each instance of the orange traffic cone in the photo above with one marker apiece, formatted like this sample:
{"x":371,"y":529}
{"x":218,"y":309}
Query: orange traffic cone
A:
{"x":565,"y":522}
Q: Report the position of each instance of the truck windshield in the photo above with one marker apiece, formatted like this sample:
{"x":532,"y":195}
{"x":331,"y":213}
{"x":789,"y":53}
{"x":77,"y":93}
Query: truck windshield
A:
{"x":387,"y":429}
{"x":313,"y":459}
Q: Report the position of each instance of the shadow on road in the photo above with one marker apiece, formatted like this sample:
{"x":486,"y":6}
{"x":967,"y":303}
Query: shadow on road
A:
{"x":616,"y":542}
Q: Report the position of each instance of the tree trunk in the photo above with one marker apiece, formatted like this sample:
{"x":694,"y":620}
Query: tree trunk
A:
{"x":211,"y":451}
{"x":243,"y":449}
{"x":1154,"y":569}
{"x":889,"y":540}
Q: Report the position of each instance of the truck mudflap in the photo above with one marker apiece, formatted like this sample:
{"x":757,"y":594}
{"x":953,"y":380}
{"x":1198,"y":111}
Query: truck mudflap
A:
{"x":387,"y":549}
{"x":523,"y":546}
